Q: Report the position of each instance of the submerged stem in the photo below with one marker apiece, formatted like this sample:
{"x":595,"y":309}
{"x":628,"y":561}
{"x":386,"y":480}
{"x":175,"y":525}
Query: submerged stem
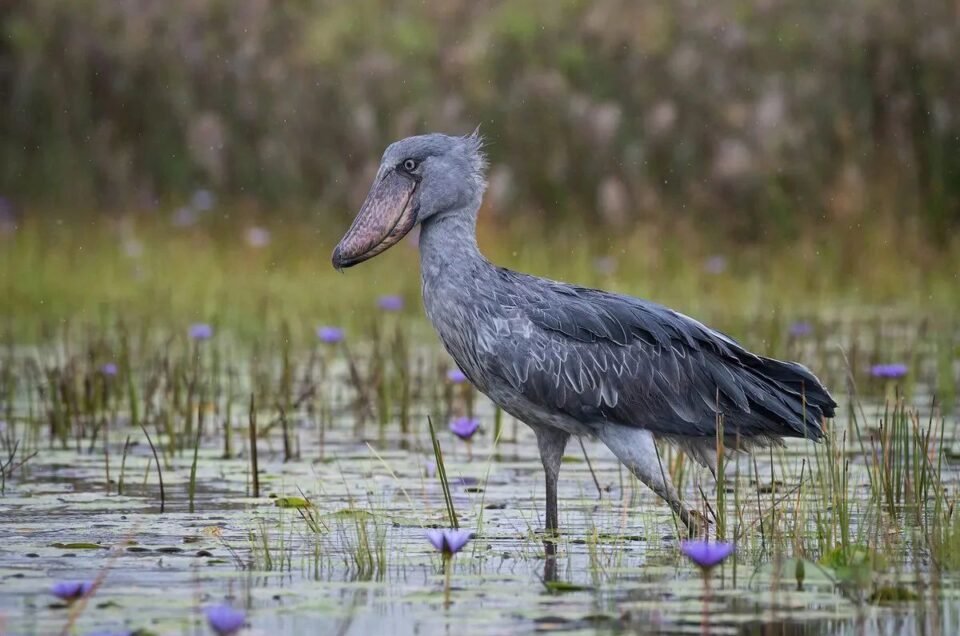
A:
{"x":447,"y":568}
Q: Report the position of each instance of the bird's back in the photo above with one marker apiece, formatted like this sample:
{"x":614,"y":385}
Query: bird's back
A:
{"x":588,"y":356}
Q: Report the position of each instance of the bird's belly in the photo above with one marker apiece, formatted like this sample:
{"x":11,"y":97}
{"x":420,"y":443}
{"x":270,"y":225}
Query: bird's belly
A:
{"x":533,"y":414}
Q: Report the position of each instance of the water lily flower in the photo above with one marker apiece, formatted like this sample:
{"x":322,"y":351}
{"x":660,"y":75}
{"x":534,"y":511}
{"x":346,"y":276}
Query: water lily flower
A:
{"x":707,"y":555}
{"x":70,"y":591}
{"x":448,"y":540}
{"x":224,"y":620}
{"x":184,"y":217}
{"x":109,"y":369}
{"x":606,"y":265}
{"x":893,"y":371}
{"x":456,"y":376}
{"x":801,"y":329}
{"x":200,"y":331}
{"x":716,"y":264}
{"x":390,"y":303}
{"x":8,"y":218}
{"x":464,"y":427}
{"x":132,"y":248}
{"x":330,"y":335}
{"x":258,"y":237}
{"x":203,"y":200}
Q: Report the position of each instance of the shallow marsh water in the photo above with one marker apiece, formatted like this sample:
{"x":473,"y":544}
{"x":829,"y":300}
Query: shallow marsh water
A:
{"x":356,"y":561}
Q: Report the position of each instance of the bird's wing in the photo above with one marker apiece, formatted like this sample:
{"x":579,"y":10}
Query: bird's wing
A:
{"x":597,"y":356}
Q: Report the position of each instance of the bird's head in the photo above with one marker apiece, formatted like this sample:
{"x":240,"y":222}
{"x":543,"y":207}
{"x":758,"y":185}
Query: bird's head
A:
{"x":419,"y":178}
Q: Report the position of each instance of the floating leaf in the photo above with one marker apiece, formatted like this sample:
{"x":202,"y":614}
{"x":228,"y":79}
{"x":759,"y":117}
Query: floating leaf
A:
{"x":352,"y":513}
{"x":292,"y":502}
{"x":565,"y":586}
{"x":893,"y":594}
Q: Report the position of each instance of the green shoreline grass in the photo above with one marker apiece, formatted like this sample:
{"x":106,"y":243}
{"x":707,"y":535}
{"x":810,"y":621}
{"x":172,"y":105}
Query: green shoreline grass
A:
{"x":142,"y":269}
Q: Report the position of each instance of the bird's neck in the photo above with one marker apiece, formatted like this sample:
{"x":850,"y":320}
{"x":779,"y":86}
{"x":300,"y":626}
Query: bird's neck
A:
{"x":448,"y":241}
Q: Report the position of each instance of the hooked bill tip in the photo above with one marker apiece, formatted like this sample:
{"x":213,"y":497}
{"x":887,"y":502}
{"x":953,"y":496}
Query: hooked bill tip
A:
{"x":337,"y":259}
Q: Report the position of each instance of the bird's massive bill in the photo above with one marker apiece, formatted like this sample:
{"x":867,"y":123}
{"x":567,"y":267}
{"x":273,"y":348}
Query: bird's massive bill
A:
{"x":386,"y":216}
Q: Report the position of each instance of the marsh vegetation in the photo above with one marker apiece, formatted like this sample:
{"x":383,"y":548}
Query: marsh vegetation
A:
{"x":136,"y":385}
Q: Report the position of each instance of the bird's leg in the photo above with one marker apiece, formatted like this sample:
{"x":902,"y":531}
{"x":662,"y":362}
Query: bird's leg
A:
{"x":636,"y":448}
{"x":551,"y":442}
{"x":550,"y":561}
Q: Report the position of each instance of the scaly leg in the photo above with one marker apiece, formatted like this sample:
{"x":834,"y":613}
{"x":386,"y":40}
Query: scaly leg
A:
{"x":551,"y":442}
{"x":636,"y":448}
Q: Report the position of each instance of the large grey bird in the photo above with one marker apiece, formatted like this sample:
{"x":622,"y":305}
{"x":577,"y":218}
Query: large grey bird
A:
{"x":568,"y":360}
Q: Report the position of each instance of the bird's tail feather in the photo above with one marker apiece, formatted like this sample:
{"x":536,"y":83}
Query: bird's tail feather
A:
{"x":802,"y":395}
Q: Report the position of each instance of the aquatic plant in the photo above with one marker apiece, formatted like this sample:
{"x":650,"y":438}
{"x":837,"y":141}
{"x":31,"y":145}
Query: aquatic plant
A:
{"x":706,"y":555}
{"x":258,"y":237}
{"x":225,"y":620}
{"x":893,"y":371}
{"x":70,"y":591}
{"x":716,"y":264}
{"x":456,"y":376}
{"x":200,"y":331}
{"x":800,"y":329}
{"x":203,"y":200}
{"x":390,"y":303}
{"x":184,"y":217}
{"x":329,"y":335}
{"x":448,"y":541}
{"x":464,"y":427}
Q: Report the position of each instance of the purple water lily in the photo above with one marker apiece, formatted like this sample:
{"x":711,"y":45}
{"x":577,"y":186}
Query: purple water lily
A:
{"x":258,"y":237}
{"x":184,"y":217}
{"x":716,"y":264}
{"x":801,"y":329}
{"x":464,"y":427}
{"x":109,"y":369}
{"x":390,"y":303}
{"x":456,"y":376}
{"x":203,"y":200}
{"x":224,"y":620}
{"x":200,"y":331}
{"x":448,"y":541}
{"x":8,"y":217}
{"x":70,"y":591}
{"x":707,"y":555}
{"x":893,"y":371}
{"x":606,"y":265}
{"x":330,"y":335}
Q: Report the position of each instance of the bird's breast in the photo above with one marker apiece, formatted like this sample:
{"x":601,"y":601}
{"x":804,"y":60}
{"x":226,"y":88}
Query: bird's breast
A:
{"x":465,"y":323}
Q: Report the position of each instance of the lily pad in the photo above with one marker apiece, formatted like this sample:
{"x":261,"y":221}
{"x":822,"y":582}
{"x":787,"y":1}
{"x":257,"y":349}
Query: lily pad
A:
{"x":292,"y":502}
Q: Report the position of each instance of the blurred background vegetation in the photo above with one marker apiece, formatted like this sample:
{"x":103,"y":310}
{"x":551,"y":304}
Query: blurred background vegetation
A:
{"x":763,"y":114}
{"x":817,"y":139}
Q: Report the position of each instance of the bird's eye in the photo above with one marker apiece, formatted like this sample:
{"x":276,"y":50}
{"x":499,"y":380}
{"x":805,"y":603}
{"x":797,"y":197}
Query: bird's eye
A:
{"x":409,"y":165}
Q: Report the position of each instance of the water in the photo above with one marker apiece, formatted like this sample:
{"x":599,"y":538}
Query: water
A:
{"x":361,"y":564}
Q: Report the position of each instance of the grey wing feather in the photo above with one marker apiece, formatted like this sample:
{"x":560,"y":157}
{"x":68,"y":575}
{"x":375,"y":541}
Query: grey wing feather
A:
{"x":597,"y":356}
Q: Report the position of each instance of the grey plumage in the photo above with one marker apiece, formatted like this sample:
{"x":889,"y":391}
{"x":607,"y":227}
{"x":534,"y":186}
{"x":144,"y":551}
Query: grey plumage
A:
{"x":570,"y":360}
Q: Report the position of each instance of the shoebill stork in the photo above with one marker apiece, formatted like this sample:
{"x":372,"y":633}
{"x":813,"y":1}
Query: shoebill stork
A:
{"x":569,"y":360}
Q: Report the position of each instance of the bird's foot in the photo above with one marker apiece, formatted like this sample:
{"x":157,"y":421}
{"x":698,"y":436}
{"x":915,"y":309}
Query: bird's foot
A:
{"x":697,"y":524}
{"x":548,"y":535}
